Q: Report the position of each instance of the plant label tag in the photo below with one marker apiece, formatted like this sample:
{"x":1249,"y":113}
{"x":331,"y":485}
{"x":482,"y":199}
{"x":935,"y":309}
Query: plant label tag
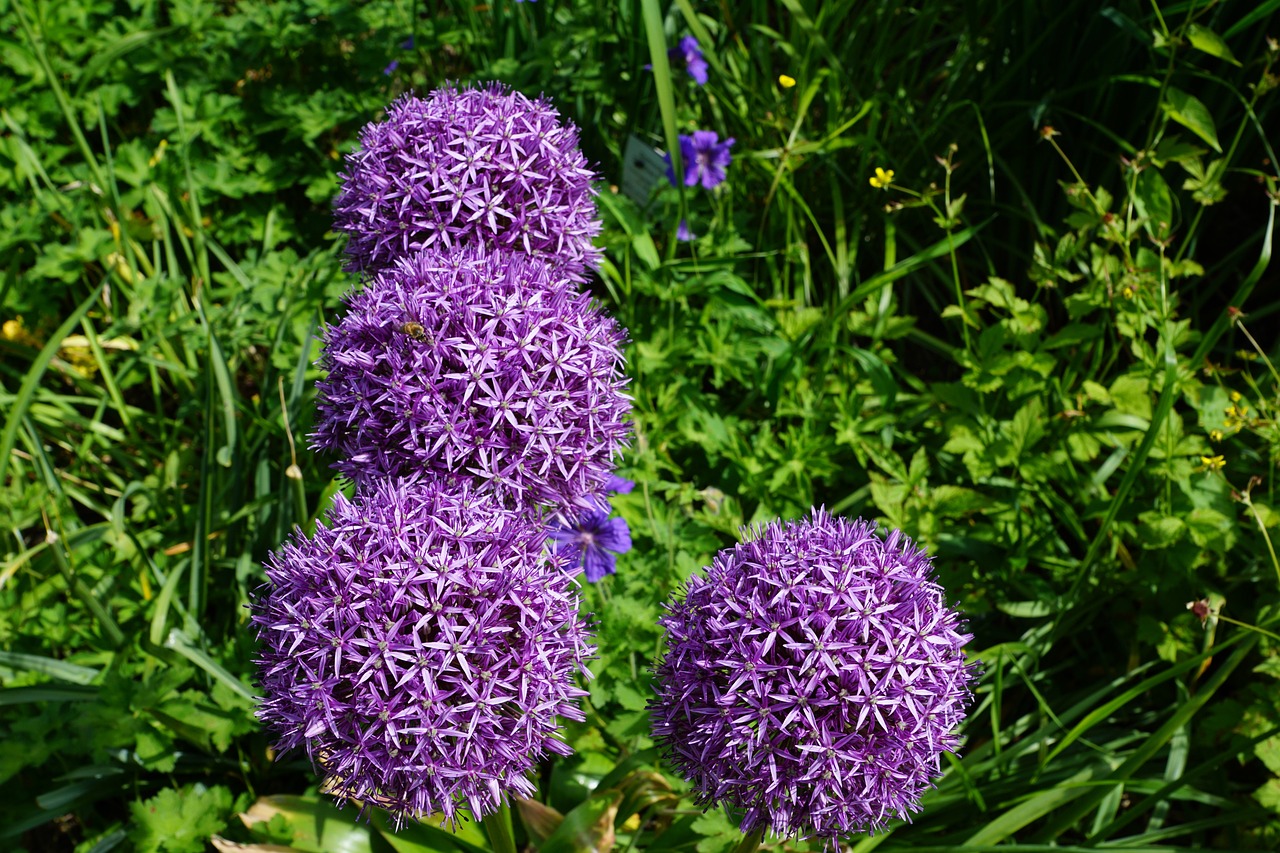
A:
{"x":642,"y":168}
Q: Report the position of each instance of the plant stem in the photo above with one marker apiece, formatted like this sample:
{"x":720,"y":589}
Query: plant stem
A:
{"x":498,"y":827}
{"x":750,"y":843}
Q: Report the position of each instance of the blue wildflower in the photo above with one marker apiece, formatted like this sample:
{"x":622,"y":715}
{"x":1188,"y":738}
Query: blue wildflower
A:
{"x":694,"y":62}
{"x":593,"y":540}
{"x":391,"y":67}
{"x":705,"y":159}
{"x":684,"y":234}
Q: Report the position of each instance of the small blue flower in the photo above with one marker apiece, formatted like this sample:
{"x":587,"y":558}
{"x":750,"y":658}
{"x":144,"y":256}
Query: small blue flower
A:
{"x":684,"y":234}
{"x":391,"y":67}
{"x":593,"y":540}
{"x":705,"y":159}
{"x":694,"y":62}
{"x":407,"y":44}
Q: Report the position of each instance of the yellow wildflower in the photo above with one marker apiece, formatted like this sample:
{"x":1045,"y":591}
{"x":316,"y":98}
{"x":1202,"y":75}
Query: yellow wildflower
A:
{"x":1235,"y":396}
{"x":1127,"y":292}
{"x":786,"y":82}
{"x":1213,"y":463}
{"x":882,"y":178}
{"x":1215,"y":435}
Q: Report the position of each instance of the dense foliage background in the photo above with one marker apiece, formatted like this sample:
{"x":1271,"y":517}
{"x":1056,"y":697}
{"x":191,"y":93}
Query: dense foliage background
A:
{"x":1046,"y":351}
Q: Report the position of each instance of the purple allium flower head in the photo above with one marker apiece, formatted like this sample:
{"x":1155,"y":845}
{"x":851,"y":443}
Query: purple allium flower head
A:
{"x":464,"y":166}
{"x":691,"y":54}
{"x":705,"y":159}
{"x":481,"y":363}
{"x":420,"y":648}
{"x":591,"y":540}
{"x":813,"y":678}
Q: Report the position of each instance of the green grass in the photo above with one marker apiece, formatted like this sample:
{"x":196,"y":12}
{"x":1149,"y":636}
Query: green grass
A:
{"x":1022,"y":354}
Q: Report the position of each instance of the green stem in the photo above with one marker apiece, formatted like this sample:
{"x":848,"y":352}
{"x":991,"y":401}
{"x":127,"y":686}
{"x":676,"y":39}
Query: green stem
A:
{"x":498,"y":827}
{"x":750,"y":843}
{"x":1246,"y":626}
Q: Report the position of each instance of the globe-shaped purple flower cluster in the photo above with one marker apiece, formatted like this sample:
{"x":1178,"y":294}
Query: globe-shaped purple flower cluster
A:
{"x":420,"y":647}
{"x":477,"y":363}
{"x":468,"y":167}
{"x":813,"y":679}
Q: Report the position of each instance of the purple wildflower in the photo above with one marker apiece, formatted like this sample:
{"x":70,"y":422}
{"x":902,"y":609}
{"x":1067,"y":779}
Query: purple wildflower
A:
{"x":592,"y":540}
{"x":420,"y":647}
{"x":480,"y":363}
{"x":813,"y":679}
{"x":407,"y":44}
{"x":391,"y":67}
{"x":484,"y":166}
{"x":684,"y":234}
{"x":705,"y":159}
{"x":694,"y":62}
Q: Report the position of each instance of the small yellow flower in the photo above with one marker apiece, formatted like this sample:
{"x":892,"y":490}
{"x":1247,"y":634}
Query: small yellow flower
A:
{"x":882,"y":178}
{"x":1215,"y":435}
{"x":1230,"y":412}
{"x":786,"y":82}
{"x":1235,"y":396}
{"x":1127,"y":292}
{"x":1213,"y":463}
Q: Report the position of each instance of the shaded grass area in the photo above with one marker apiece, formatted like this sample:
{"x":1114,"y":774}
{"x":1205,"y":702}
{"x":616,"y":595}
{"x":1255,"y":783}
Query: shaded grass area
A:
{"x":1023,"y":353}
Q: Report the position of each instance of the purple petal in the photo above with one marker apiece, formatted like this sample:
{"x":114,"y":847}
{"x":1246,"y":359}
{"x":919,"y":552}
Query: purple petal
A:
{"x":598,"y":564}
{"x":614,"y":535}
{"x":616,"y":485}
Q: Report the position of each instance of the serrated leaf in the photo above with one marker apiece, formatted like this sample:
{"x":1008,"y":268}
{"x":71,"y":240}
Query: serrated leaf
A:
{"x":1189,"y":112}
{"x":1206,"y":40}
{"x":719,"y":832}
{"x":179,"y":821}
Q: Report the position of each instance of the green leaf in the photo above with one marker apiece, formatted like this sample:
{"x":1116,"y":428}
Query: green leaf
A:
{"x":587,"y":828}
{"x":1206,"y":40}
{"x":1211,"y":529}
{"x":1025,"y":609}
{"x":1154,"y":203}
{"x":47,"y":693}
{"x":1189,"y":112}
{"x":51,"y":667}
{"x":179,"y":821}
{"x":1160,"y":531}
{"x":721,"y":833}
{"x":317,"y":826}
